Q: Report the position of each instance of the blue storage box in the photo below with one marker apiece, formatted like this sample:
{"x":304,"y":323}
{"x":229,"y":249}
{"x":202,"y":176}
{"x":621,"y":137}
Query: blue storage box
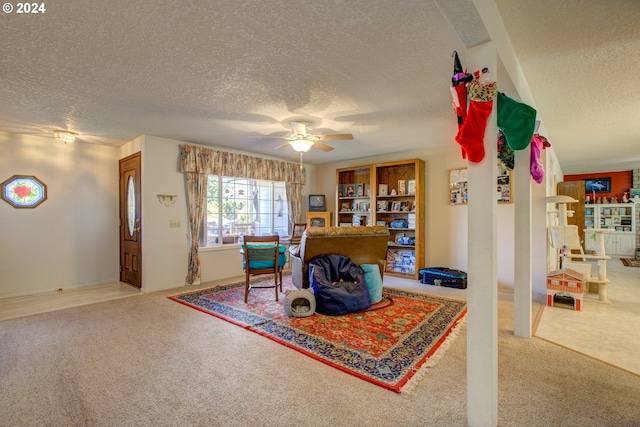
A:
{"x":443,"y":276}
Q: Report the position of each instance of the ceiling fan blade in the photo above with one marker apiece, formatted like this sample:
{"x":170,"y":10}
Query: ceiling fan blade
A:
{"x":336,"y":137}
{"x":282,"y":145}
{"x":322,"y":146}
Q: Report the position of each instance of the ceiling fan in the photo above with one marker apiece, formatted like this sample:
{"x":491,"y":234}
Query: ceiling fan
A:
{"x":302,"y":141}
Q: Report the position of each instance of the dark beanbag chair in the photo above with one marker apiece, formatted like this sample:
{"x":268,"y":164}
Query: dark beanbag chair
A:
{"x":338,"y":284}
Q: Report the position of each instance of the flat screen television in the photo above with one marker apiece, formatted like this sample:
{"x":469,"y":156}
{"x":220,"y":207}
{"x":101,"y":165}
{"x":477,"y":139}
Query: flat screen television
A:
{"x":598,"y":185}
{"x":317,"y":203}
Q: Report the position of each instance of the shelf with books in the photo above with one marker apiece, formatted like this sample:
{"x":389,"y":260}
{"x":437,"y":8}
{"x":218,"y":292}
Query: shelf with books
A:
{"x":620,"y":219}
{"x":400,"y":205}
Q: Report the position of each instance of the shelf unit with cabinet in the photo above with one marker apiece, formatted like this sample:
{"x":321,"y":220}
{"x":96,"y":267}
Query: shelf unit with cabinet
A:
{"x":390,"y":194}
{"x":399,"y":204}
{"x":620,"y":218}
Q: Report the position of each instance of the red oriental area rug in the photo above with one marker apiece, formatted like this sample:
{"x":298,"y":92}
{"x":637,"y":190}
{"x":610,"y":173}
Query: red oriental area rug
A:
{"x":388,"y":345}
{"x":630,"y":262}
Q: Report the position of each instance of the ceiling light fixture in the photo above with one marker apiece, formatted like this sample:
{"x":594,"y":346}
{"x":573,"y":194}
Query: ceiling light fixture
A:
{"x":65,"y":136}
{"x":301,"y":145}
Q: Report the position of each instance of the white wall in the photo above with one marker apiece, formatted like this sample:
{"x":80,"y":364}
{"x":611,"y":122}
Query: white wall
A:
{"x":71,"y":239}
{"x":164,"y":249}
{"x":446,"y":225}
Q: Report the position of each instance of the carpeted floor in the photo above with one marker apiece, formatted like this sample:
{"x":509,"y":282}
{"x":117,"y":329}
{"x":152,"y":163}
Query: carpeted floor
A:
{"x":388,"y":345}
{"x":139,"y":361}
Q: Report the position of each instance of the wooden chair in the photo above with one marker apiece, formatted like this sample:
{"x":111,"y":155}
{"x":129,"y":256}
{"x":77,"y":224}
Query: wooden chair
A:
{"x":296,"y":233}
{"x":262,"y":256}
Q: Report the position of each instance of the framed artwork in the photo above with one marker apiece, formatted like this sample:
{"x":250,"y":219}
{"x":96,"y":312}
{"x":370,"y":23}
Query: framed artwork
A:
{"x":383,"y":190}
{"x":24,"y":191}
{"x":597,"y":185}
{"x":503,"y":188}
{"x":634,"y":193}
{"x":459,"y":181}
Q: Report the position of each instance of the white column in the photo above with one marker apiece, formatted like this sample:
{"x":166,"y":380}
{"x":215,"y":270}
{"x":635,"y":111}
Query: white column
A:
{"x":482,"y":293}
{"x":522,"y":235}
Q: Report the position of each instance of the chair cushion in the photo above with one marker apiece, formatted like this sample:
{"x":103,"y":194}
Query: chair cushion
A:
{"x":282,"y":257}
{"x":374,"y":281}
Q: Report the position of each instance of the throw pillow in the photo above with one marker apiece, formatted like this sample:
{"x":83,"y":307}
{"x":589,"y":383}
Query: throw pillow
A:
{"x":374,"y":281}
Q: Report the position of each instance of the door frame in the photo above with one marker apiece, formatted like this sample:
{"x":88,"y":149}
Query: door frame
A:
{"x":130,"y":243}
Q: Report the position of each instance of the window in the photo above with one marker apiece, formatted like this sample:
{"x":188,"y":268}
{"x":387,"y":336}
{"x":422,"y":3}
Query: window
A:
{"x":241,"y":206}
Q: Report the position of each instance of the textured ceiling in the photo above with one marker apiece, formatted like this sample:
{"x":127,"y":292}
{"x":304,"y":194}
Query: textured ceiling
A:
{"x":224,"y":73}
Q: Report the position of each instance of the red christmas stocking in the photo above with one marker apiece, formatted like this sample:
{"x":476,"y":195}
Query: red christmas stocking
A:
{"x":460,"y":103}
{"x":471,"y":134}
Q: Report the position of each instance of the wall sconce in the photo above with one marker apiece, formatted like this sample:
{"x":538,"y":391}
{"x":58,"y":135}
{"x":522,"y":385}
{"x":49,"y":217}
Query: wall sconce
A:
{"x":64,"y":136}
{"x":167,"y":199}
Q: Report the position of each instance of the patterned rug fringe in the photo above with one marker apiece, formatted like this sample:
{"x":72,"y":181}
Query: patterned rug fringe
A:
{"x":410,"y":386}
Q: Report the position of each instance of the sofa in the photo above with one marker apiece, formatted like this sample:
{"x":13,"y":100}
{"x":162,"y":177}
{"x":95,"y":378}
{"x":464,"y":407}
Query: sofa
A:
{"x":364,"y":245}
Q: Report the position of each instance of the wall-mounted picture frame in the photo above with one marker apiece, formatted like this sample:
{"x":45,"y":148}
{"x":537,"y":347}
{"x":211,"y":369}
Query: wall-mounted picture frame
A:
{"x":24,"y":191}
{"x":459,"y":182}
{"x":597,"y":185}
{"x":503,"y":188}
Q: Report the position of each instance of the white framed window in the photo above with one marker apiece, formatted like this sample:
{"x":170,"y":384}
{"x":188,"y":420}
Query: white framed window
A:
{"x":237,"y":207}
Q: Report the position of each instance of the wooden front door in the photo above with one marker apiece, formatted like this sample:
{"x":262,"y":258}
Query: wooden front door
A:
{"x":575,"y":189}
{"x":130,"y":221}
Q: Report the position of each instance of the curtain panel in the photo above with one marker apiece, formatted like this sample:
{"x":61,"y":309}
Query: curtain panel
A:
{"x":198,"y":162}
{"x":213,"y":162}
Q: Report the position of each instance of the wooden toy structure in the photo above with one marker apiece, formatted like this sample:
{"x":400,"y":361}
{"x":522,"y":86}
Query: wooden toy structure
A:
{"x":566,"y":281}
{"x":566,"y":240}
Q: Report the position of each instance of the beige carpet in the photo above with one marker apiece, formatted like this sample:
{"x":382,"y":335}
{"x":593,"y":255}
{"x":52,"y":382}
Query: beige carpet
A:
{"x":608,"y":332}
{"x":147,"y":361}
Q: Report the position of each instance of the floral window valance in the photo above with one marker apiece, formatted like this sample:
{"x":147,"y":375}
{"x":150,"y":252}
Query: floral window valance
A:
{"x":213,"y":162}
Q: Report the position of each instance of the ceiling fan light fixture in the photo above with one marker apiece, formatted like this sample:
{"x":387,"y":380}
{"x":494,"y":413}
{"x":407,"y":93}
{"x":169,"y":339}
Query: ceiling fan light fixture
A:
{"x":301,"y":145}
{"x":65,"y":136}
